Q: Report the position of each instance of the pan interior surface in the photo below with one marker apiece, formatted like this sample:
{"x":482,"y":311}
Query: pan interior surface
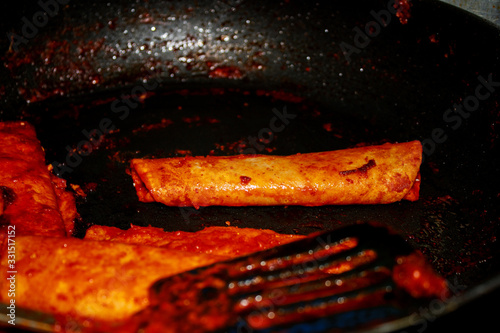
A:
{"x":444,"y":223}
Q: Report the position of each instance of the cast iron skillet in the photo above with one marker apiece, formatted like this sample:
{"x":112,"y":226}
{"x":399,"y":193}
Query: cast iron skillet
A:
{"x":209,"y":77}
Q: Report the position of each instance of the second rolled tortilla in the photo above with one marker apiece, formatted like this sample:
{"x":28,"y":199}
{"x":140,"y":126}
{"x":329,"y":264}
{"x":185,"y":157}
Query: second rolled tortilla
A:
{"x":366,"y":175}
{"x":33,"y":201}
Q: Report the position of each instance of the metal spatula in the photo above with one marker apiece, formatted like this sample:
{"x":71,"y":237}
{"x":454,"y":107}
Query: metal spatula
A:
{"x":353,"y":278}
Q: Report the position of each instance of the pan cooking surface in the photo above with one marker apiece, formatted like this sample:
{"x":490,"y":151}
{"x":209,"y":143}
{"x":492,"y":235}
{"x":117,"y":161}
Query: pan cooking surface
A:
{"x":446,"y":223}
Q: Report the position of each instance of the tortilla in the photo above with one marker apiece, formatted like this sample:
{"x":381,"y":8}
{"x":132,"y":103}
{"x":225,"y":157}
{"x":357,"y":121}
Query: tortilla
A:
{"x":365,"y":175}
{"x":107,"y":275}
{"x":89,"y":279}
{"x":32,"y":199}
{"x":222,"y":241}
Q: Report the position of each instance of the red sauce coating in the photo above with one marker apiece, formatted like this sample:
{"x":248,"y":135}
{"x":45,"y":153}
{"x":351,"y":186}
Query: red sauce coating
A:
{"x":418,"y":278}
{"x":362,"y":169}
{"x":245,"y":180}
{"x":229,"y":72}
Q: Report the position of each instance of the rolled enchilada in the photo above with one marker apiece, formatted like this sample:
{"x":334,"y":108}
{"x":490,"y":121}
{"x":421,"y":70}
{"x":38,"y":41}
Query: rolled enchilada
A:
{"x":365,"y":175}
{"x":33,"y":201}
{"x":106,"y":276}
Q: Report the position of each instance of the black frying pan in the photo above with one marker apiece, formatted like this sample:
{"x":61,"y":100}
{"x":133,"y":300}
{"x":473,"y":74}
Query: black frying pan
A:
{"x":210,"y":77}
